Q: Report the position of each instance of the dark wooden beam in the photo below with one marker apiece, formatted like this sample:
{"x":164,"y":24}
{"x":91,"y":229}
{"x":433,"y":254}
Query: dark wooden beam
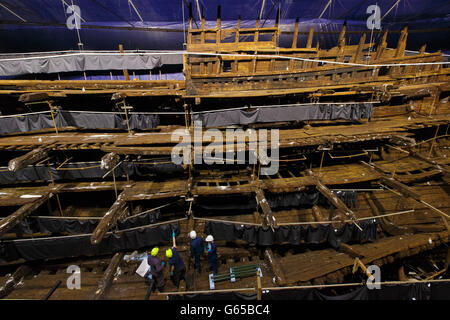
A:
{"x":387,"y":226}
{"x":109,"y":219}
{"x":269,"y":219}
{"x":108,"y":277}
{"x":347,"y":249}
{"x":12,"y":220}
{"x":429,"y":161}
{"x":294,"y":39}
{"x":334,"y":199}
{"x":401,"y":45}
{"x":109,"y":161}
{"x":27,"y":159}
{"x":317,"y":214}
{"x":280,"y":277}
{"x":407,"y":192}
{"x":33,"y":97}
{"x":402,"y":188}
{"x":125,"y":71}
{"x":310,"y":37}
{"x":13,"y":280}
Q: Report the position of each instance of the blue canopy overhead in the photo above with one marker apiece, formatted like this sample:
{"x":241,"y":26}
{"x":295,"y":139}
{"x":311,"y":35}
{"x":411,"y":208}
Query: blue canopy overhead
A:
{"x":30,"y":25}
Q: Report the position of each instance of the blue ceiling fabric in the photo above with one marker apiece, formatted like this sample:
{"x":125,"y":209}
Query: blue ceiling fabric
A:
{"x":31,"y":25}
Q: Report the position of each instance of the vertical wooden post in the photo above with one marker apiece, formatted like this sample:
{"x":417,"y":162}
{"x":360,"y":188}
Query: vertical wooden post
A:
{"x":53,"y":117}
{"x":310,"y":38}
{"x":422,"y":49}
{"x":125,"y":110}
{"x":294,"y":39}
{"x":189,"y":35}
{"x":259,"y":289}
{"x":275,"y":34}
{"x":256,"y":36}
{"x":218,"y":27}
{"x":53,"y":183}
{"x":341,"y":43}
{"x":125,"y":71}
{"x":115,"y":185}
{"x":359,"y":51}
{"x":432,"y":142}
{"x":236,"y":40}
{"x":382,"y":46}
{"x":401,"y":45}
{"x":202,"y":37}
{"x":321,"y":162}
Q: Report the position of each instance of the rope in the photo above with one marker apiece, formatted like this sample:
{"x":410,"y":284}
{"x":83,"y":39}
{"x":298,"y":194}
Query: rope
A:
{"x":349,"y":220}
{"x":435,"y":138}
{"x":228,"y":221}
{"x":80,"y":168}
{"x":348,"y":156}
{"x":23,"y":114}
{"x":309,"y":222}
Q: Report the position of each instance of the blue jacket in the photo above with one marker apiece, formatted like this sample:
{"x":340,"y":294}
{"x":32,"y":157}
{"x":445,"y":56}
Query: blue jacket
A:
{"x":197,"y":247}
{"x":212,"y":251}
{"x":176,"y":260}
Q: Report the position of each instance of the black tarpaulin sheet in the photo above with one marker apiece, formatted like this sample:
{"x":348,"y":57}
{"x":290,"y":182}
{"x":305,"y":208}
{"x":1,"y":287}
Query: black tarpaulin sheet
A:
{"x":301,"y":199}
{"x":314,"y":294}
{"x":440,"y":291}
{"x":85,"y":61}
{"x":417,"y":291}
{"x":79,"y":226}
{"x":286,"y":113}
{"x":412,"y":291}
{"x":293,"y":234}
{"x":86,"y":170}
{"x":215,"y":296}
{"x":79,"y":119}
{"x":357,"y":294}
{"x":75,"y":246}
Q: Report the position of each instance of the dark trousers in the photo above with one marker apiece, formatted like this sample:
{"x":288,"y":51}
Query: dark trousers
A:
{"x":179,"y":275}
{"x":197,"y":261}
{"x":158,"y":283}
{"x":213,"y":265}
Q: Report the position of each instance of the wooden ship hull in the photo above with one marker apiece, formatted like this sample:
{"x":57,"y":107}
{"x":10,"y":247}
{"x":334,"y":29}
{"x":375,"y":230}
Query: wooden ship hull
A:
{"x":362,"y":180}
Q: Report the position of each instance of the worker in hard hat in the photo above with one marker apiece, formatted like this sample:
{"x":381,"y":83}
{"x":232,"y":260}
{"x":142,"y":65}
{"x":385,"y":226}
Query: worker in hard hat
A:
{"x":212,"y":253}
{"x":177,"y":267}
{"x":197,"y":249}
{"x":156,"y":272}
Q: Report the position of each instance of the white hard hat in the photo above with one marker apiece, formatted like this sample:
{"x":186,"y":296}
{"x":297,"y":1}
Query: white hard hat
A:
{"x":209,"y":238}
{"x":193,"y":234}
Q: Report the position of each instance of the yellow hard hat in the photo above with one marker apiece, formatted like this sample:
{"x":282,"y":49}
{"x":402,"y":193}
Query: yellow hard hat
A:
{"x":155,"y":251}
{"x":169,"y":253}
